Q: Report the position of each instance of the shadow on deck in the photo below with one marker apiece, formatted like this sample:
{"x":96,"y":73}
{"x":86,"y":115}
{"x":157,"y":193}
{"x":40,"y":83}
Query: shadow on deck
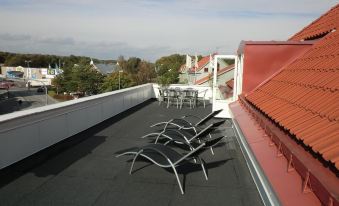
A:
{"x":82,"y":170}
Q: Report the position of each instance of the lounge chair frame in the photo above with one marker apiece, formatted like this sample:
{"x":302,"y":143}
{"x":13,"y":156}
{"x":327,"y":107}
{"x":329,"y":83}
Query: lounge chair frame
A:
{"x":171,"y":163}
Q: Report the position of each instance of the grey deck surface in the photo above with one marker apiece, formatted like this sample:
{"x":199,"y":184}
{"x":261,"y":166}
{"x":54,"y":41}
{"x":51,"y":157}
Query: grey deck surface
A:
{"x":84,"y":171}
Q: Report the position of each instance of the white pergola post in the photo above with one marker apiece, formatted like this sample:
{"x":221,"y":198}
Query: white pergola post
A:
{"x":217,"y":103}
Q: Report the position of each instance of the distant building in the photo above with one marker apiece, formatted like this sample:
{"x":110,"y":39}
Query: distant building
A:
{"x":29,"y":73}
{"x":33,"y":76}
{"x":201,"y":70}
{"x":104,"y":68}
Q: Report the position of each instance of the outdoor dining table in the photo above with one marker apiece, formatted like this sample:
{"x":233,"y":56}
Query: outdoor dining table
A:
{"x":180,"y":96}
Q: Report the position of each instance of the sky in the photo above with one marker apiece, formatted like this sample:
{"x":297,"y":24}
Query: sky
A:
{"x":149,"y":29}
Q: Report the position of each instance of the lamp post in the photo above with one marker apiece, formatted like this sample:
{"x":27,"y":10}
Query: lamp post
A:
{"x":28,"y":70}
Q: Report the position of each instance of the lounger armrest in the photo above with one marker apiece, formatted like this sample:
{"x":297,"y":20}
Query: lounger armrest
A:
{"x":190,"y":115}
{"x":208,"y":117}
{"x":176,"y":135}
{"x":213,"y":141}
{"x":218,"y":123}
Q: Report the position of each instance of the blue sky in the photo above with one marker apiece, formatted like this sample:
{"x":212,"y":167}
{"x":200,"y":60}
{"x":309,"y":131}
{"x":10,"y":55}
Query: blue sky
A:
{"x":148,"y":29}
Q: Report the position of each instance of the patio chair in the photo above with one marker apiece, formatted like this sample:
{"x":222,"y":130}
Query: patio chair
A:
{"x":163,"y":95}
{"x":187,"y":95}
{"x":166,"y":157}
{"x":201,"y":97}
{"x":173,"y":95}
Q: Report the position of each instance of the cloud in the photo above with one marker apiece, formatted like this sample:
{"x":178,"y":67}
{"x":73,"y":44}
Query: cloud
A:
{"x":149,"y":28}
{"x":56,"y":41}
{"x":67,"y":46}
{"x":14,"y":37}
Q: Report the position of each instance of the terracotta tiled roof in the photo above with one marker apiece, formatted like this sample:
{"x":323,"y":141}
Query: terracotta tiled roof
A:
{"x":323,"y":25}
{"x":304,"y":98}
{"x":205,"y":60}
{"x":220,"y":72}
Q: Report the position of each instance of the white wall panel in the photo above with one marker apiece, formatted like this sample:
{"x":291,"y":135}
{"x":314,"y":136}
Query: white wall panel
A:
{"x":52,"y":130}
{"x":26,"y":132}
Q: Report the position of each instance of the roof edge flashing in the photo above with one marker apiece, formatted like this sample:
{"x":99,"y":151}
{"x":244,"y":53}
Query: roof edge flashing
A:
{"x":264,"y":187}
{"x":323,"y":182}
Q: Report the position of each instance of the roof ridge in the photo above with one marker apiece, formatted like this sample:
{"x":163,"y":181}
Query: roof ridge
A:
{"x":313,"y":30}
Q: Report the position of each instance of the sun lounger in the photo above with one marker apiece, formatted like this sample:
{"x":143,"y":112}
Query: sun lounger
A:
{"x":183,"y":136}
{"x":182,"y":123}
{"x":166,"y":157}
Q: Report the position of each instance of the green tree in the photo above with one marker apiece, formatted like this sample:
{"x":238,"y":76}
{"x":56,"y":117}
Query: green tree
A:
{"x":132,"y":65}
{"x":168,"y":68}
{"x":79,"y":78}
{"x":111,"y":82}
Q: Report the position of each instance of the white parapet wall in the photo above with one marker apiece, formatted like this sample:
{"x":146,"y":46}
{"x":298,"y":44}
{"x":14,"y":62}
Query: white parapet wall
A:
{"x":24,"y":133}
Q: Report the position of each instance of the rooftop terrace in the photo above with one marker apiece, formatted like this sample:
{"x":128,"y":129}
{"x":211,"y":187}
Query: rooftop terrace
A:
{"x":82,"y":170}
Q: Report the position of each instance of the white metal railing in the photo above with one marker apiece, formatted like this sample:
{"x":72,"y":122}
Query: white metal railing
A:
{"x":24,"y":133}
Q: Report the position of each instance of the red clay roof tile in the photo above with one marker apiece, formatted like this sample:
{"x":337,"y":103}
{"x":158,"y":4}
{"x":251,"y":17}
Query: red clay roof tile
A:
{"x":304,"y":97}
{"x":220,"y":72}
{"x":323,"y":25}
{"x":203,"y":62}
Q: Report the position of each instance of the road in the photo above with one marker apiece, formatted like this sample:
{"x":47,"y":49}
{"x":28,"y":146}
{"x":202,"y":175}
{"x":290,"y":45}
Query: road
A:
{"x":29,"y":99}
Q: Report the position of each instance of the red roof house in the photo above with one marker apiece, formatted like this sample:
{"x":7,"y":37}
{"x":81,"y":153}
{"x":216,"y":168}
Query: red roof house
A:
{"x":220,"y":72}
{"x":288,"y":112}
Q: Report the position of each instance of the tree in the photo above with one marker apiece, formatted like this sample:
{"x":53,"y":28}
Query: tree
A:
{"x":146,"y":72}
{"x":132,"y":65}
{"x":79,"y":78}
{"x":168,"y":68}
{"x":111,"y":82}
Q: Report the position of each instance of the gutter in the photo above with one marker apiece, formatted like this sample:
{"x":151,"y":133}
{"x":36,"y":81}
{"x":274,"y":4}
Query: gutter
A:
{"x":264,"y":187}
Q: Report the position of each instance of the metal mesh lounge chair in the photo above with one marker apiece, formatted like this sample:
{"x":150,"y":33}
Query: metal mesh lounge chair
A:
{"x":166,"y":157}
{"x":184,"y":123}
{"x":185,"y":136}
{"x":204,"y":119}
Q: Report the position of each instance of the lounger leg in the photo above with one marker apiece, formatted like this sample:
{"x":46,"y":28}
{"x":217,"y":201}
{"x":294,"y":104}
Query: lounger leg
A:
{"x":176,"y":175}
{"x":194,"y":159}
{"x":130,"y":170}
{"x":211,"y":148}
{"x":202,"y":163}
{"x":212,"y":151}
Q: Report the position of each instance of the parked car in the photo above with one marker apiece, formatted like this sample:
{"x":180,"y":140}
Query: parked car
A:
{"x":11,"y":83}
{"x":41,"y":89}
{"x":4,"y":85}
